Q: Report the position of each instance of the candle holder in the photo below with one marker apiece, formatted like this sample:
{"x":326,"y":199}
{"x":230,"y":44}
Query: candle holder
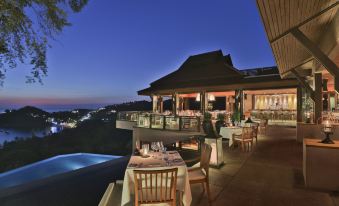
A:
{"x":145,"y":150}
{"x":328,"y":130}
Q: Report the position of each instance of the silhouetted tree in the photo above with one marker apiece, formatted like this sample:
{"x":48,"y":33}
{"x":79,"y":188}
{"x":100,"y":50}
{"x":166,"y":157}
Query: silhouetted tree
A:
{"x":25,"y":29}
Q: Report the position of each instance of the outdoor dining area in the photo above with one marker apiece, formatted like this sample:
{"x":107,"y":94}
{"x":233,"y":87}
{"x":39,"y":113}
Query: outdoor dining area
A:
{"x":156,"y":175}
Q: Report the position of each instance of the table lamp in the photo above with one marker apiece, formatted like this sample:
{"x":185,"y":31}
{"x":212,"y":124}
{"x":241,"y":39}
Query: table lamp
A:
{"x":328,"y":130}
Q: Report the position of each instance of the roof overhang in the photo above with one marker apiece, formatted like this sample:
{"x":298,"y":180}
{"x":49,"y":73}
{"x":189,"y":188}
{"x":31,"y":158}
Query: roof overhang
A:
{"x":318,"y":20}
{"x":247,"y":83}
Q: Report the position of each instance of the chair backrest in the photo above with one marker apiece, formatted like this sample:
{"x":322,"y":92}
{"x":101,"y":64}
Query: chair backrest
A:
{"x":255,"y":130}
{"x":155,"y":186}
{"x":247,"y":133}
{"x":263,"y":122}
{"x":205,"y":157}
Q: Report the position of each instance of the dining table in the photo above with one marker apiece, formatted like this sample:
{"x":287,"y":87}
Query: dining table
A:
{"x":157,"y":161}
{"x":227,"y":133}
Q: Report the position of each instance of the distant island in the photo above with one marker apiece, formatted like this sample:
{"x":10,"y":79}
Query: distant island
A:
{"x":91,"y":131}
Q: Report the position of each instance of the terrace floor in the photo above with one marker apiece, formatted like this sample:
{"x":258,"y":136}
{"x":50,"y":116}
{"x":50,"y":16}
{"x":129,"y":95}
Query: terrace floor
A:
{"x":270,"y":175}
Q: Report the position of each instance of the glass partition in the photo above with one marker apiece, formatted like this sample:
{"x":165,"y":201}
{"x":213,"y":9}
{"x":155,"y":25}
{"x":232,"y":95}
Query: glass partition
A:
{"x":190,"y":123}
{"x":157,"y":121}
{"x":160,"y":121}
{"x":128,"y":115}
{"x":172,"y":123}
{"x":143,"y":120}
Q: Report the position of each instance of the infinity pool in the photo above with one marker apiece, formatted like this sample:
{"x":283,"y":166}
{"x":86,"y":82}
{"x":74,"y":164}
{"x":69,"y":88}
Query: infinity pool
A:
{"x":51,"y":166}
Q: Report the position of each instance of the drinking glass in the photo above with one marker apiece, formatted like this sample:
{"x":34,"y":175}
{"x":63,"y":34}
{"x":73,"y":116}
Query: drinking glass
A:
{"x":145,"y":149}
{"x":158,"y":146}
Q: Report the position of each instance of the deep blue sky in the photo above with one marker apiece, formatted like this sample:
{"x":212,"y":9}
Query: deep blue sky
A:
{"x":115,"y":48}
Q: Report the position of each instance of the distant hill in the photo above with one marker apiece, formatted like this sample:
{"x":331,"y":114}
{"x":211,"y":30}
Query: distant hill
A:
{"x":26,"y":117}
{"x":131,"y":106}
{"x":32,"y":117}
{"x":32,"y":110}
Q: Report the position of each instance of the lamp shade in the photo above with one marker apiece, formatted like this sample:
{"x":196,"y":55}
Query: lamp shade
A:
{"x":197,"y":98}
{"x":211,"y":97}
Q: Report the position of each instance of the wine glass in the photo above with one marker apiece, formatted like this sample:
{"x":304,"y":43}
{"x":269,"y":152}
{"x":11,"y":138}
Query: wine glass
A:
{"x":153,"y":146}
{"x":158,"y":146}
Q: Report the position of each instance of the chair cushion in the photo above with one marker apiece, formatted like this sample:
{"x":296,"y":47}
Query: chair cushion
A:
{"x":196,"y":175}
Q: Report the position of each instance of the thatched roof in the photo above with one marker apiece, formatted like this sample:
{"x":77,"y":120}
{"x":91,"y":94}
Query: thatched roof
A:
{"x":208,"y":69}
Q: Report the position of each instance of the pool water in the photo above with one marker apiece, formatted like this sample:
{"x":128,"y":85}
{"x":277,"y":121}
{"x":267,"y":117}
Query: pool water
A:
{"x":51,"y":166}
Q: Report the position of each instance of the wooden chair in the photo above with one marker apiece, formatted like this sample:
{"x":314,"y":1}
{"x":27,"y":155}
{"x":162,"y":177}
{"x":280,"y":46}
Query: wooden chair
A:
{"x":255,"y":128}
{"x":200,"y":174}
{"x":155,"y":186}
{"x":245,"y":138}
{"x":263,"y":126}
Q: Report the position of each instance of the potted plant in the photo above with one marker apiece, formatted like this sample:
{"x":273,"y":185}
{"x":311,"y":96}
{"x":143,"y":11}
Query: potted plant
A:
{"x":220,"y":122}
{"x":235,"y":117}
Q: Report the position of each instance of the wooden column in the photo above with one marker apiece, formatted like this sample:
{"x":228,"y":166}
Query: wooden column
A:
{"x":178,"y":103}
{"x":299,"y":104}
{"x":203,"y":102}
{"x":155,"y":103}
{"x":174,"y":104}
{"x":253,"y":101}
{"x":239,"y":102}
{"x":241,"y":96}
{"x":206,"y":101}
{"x":318,"y":103}
{"x":160,"y":104}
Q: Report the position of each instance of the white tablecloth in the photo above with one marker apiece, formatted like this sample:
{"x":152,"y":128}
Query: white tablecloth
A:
{"x":227,"y":132}
{"x":154,"y":162}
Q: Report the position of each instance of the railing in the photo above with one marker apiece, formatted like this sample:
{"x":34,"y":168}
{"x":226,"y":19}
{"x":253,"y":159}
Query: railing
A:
{"x":129,"y":115}
{"x":159,"y":121}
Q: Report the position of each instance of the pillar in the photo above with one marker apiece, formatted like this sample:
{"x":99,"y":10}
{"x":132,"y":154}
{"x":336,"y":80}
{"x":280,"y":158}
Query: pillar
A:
{"x":203,"y":102}
{"x":174,"y":104}
{"x":160,"y":104}
{"x":241,"y":96}
{"x":318,"y":103}
{"x":155,"y":103}
{"x":177,"y":103}
{"x":239,"y":102}
{"x":299,"y":104}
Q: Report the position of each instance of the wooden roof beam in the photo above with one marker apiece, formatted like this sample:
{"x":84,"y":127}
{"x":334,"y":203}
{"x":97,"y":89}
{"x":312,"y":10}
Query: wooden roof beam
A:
{"x":333,"y":6}
{"x":303,"y":82}
{"x":284,"y":74}
{"x":316,"y":52}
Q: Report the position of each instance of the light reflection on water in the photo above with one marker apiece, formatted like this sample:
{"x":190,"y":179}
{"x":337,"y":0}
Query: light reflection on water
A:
{"x":50,"y":167}
{"x":9,"y":134}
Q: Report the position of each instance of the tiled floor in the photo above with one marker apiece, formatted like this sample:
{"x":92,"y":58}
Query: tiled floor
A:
{"x":270,"y":175}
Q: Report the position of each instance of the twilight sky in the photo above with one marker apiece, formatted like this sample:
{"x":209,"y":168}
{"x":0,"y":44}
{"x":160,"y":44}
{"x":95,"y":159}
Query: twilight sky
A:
{"x":115,"y":48}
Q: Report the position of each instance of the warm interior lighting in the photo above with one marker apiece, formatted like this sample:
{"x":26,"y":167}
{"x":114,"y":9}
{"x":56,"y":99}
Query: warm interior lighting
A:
{"x":211,"y":97}
{"x":197,"y":98}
